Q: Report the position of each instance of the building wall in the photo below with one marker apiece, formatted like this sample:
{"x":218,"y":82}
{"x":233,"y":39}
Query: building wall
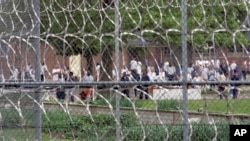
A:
{"x":20,"y":55}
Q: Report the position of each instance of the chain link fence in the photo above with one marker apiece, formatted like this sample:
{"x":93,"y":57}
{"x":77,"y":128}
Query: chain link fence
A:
{"x":115,"y":70}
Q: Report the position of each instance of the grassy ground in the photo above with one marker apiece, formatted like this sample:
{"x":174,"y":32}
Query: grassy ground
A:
{"x":211,"y":104}
{"x":235,"y":106}
{"x":25,"y":135}
{"x":225,"y":106}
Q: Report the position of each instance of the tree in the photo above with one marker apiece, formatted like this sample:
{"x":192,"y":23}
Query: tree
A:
{"x":88,"y":27}
{"x":68,"y":30}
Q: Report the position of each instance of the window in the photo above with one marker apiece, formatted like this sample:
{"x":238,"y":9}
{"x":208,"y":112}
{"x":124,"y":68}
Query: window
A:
{"x":134,"y":52}
{"x":3,"y":48}
{"x":235,"y":49}
{"x":166,"y":51}
{"x":239,"y":49}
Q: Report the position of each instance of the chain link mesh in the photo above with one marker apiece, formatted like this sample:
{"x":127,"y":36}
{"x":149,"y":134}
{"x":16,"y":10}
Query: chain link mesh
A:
{"x":59,"y":72}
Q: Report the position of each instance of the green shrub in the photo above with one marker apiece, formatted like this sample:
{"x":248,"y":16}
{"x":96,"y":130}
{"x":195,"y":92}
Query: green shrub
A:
{"x":175,"y":132}
{"x":10,"y":118}
{"x":203,"y":132}
{"x":200,"y":132}
{"x":85,"y":126}
{"x":154,"y":133}
{"x":103,"y":127}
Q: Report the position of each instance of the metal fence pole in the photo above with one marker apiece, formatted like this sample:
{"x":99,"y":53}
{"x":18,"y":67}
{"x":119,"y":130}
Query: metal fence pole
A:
{"x":35,"y":8}
{"x":117,"y":52}
{"x":184,"y":69}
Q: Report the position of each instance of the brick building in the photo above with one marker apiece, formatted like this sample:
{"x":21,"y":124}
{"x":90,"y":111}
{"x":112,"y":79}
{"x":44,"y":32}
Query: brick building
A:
{"x":19,"y":55}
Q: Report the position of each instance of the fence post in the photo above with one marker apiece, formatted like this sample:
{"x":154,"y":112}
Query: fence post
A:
{"x":35,"y":10}
{"x":117,"y":62}
{"x":184,"y":68}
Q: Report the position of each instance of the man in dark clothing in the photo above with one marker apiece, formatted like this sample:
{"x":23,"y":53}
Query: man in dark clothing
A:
{"x":136,"y":77}
{"x":60,"y":93}
{"x":145,"y":77}
{"x":224,"y":68}
{"x":125,"y":89}
{"x":235,"y":75}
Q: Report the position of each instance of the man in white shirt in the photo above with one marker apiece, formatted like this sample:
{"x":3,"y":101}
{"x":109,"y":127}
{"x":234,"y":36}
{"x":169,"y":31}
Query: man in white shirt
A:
{"x":197,"y":78}
{"x":14,"y":75}
{"x":139,"y":68}
{"x":43,"y":70}
{"x":87,"y":91}
{"x":151,"y":73}
{"x":32,"y":73}
{"x":55,"y":73}
{"x":165,"y":66}
{"x":98,"y":69}
{"x":160,"y":76}
{"x":88,"y":77}
{"x":171,"y":72}
{"x":124,"y":69}
{"x":133,"y":64}
{"x":233,"y":65}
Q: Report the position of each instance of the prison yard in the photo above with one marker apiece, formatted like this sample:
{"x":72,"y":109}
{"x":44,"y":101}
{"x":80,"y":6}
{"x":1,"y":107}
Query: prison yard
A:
{"x":123,"y":70}
{"x":210,"y":102}
{"x":156,"y":116}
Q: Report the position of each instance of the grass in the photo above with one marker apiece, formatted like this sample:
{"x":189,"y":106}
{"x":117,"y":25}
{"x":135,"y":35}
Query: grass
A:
{"x":24,"y":135}
{"x":235,"y":106}
{"x":16,"y":134}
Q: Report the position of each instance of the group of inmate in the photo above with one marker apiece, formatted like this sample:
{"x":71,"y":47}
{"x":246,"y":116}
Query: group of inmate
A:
{"x":197,"y":71}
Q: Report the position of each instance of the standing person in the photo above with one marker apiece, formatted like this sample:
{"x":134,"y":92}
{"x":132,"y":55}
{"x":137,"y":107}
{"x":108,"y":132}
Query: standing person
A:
{"x":151,"y":73}
{"x":160,"y":75}
{"x":57,"y":77}
{"x":124,"y":69}
{"x":197,"y":78}
{"x":133,"y":64}
{"x":158,"y":65}
{"x":224,"y":68}
{"x":28,"y":66}
{"x":217,"y":64}
{"x":14,"y":75}
{"x":98,"y":71}
{"x":55,"y":73}
{"x":144,"y":77}
{"x":235,"y":75}
{"x":233,"y":65}
{"x":27,"y":75}
{"x":71,"y":78}
{"x":66,"y":73}
{"x":136,"y":77}
{"x":139,"y":68}
{"x":114,"y":74}
{"x":87,"y":90}
{"x":244,"y":70}
{"x":43,"y":70}
{"x":165,"y":66}
{"x":125,"y":89}
{"x":88,"y":77}
{"x":171,"y":71}
{"x":190,"y":68}
{"x":32,"y":73}
{"x":221,"y":87}
{"x":211,"y":74}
